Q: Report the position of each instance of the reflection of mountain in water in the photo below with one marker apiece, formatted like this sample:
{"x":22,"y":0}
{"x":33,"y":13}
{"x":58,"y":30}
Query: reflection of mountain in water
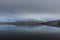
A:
{"x":52,"y":23}
{"x":30,"y":22}
{"x":33,"y":22}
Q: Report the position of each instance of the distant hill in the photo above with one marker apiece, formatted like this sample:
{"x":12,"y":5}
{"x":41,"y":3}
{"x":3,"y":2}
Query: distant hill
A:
{"x":29,"y":22}
{"x":33,"y":22}
{"x":52,"y":23}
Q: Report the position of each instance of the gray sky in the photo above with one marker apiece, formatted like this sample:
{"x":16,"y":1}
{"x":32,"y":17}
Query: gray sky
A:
{"x":29,"y":7}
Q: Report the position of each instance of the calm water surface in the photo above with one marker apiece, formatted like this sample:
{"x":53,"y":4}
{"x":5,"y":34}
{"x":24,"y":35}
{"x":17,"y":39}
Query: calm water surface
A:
{"x":29,"y":28}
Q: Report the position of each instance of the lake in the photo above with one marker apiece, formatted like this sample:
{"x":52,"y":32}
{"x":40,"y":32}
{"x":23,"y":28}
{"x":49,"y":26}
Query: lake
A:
{"x":30,"y":29}
{"x":24,"y":32}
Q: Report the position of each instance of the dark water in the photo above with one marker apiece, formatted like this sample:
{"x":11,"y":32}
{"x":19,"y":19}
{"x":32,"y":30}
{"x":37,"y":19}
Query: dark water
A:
{"x":13,"y":32}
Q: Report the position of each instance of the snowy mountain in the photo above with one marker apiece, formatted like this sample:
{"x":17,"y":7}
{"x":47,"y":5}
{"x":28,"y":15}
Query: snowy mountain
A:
{"x":49,"y":19}
{"x":11,"y":19}
{"x":7,"y":19}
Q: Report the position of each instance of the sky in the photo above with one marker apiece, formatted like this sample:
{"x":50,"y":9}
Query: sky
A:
{"x":30,"y":8}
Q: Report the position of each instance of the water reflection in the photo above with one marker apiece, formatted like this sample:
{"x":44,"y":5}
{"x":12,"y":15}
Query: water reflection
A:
{"x":29,"y":29}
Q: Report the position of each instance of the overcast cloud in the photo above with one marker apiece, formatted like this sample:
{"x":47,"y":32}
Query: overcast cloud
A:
{"x":31,"y":5}
{"x":19,"y":7}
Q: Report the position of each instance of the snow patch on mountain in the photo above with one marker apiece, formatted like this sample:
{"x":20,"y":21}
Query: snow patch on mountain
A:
{"x":11,"y":19}
{"x":7,"y":19}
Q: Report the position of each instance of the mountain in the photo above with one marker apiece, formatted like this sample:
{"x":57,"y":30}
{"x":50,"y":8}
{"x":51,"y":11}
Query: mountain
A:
{"x":30,"y":22}
{"x":55,"y":23}
{"x":7,"y":19}
{"x":49,"y":19}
